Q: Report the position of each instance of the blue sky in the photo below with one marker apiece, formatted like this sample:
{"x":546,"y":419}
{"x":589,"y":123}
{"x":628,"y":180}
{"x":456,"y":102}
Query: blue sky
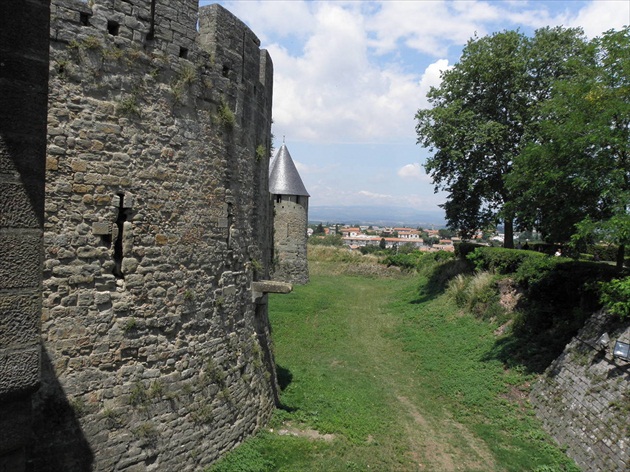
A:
{"x":350,"y":75}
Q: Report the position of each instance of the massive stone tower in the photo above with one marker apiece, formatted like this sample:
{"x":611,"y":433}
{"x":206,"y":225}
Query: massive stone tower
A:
{"x":290,"y":219}
{"x":157,"y":234}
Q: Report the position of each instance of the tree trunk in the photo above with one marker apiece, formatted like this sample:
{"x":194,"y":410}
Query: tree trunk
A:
{"x":508,"y":240}
{"x":621,"y":252}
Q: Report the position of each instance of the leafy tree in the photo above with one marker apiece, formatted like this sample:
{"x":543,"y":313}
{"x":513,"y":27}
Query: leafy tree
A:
{"x":574,"y":181}
{"x":446,"y":233}
{"x":319,"y":229}
{"x":482,"y":117}
{"x":382,"y":243}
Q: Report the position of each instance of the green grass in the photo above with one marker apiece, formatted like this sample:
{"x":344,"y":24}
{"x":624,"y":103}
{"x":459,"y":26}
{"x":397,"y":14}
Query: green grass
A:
{"x":401,"y":380}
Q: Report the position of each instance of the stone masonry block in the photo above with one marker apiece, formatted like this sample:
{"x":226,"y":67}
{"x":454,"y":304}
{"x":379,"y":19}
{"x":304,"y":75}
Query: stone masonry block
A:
{"x":17,"y":208}
{"x":19,"y":370}
{"x":21,"y":264}
{"x":19,"y":319}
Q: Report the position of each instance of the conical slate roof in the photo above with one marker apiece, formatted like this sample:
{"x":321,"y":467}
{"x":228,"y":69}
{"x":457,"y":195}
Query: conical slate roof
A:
{"x":284,"y":178}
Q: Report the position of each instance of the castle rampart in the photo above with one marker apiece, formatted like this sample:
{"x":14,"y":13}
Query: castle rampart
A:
{"x":157,"y":222}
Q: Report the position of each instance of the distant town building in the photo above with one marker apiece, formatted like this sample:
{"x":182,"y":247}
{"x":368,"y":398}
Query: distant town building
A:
{"x":290,"y":200}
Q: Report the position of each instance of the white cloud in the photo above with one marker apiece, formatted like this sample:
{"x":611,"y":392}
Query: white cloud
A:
{"x":375,"y":196}
{"x":432,"y":77}
{"x":430,"y":26}
{"x":333,"y":93}
{"x":413,"y":172}
{"x":335,"y":90}
{"x":600,"y":16}
{"x":280,"y":18}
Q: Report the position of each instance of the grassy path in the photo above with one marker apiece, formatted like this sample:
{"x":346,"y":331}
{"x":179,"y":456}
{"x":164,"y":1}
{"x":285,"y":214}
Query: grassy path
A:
{"x":375,"y":380}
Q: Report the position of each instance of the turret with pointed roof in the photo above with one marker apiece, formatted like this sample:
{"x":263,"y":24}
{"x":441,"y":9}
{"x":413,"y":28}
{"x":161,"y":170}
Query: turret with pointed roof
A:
{"x":290,"y":219}
{"x":284,"y":178}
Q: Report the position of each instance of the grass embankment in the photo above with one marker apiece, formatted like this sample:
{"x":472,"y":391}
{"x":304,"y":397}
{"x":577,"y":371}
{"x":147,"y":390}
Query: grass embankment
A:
{"x":380,"y":374}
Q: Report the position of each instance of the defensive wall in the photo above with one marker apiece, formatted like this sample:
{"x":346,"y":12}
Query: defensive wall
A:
{"x":583,"y":399}
{"x":157,"y":228}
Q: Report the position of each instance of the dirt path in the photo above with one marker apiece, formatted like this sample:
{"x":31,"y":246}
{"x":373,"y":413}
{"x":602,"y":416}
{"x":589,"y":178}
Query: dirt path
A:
{"x":435,"y":441}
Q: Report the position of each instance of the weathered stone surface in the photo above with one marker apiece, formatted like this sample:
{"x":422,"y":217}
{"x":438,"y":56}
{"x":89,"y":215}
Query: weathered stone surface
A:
{"x":19,"y":370}
{"x":19,"y":319}
{"x":290,"y":258}
{"x":156,"y":356}
{"x":21,"y":259}
{"x":582,"y":399}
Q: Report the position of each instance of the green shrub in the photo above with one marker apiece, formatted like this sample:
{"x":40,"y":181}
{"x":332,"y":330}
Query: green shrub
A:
{"x":371,"y":249}
{"x":440,"y":256}
{"x":463,"y":249}
{"x":332,"y":240}
{"x":404,"y":261}
{"x":500,"y":260}
{"x":416,"y":259}
{"x":615,"y":296}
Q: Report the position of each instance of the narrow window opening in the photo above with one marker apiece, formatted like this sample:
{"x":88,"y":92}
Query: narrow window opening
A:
{"x":226,"y":70}
{"x":84,"y":19}
{"x":113,"y":28}
{"x":278,"y":198}
{"x":118,"y":243}
{"x":183,"y":53}
{"x":297,"y":199}
{"x":151,"y":33}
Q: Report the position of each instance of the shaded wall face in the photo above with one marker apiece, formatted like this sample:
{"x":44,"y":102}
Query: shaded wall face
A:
{"x":23,"y":90}
{"x":290,"y":239}
{"x":157,"y":221}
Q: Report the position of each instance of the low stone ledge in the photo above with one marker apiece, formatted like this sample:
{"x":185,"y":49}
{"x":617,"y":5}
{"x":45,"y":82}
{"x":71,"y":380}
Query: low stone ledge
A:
{"x":261,"y":288}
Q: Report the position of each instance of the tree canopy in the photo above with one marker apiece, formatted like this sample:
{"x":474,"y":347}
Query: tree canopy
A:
{"x":483,"y":115}
{"x":573,"y":178}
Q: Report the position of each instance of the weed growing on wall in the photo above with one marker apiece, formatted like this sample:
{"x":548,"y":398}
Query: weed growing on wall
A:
{"x":261,"y":152}
{"x":225,"y":116}
{"x":128,"y":106}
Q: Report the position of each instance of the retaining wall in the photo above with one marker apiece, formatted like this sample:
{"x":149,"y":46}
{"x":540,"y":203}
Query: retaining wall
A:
{"x":583,"y":398}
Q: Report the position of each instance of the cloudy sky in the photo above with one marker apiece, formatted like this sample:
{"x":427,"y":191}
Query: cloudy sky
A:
{"x":349,"y":77}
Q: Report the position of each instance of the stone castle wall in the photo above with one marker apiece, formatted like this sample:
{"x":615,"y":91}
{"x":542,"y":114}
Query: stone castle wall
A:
{"x":23,"y":92}
{"x":157,"y":221}
{"x":583,"y":399}
{"x":290,"y":239}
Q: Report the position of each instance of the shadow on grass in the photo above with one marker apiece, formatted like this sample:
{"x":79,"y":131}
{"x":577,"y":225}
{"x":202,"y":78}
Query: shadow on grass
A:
{"x":285,"y":377}
{"x":533,"y":352}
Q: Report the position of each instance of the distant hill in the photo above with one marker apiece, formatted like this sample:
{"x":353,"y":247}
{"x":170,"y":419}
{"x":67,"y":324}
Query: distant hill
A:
{"x":376,"y":215}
